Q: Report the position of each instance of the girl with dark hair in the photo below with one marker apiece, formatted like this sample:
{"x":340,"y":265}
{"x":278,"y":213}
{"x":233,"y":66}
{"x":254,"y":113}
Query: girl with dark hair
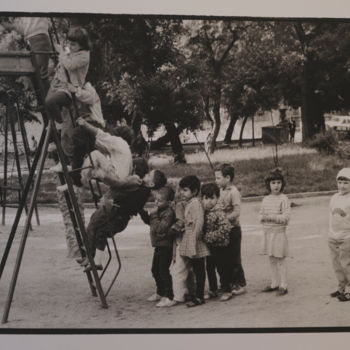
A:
{"x":274,"y":216}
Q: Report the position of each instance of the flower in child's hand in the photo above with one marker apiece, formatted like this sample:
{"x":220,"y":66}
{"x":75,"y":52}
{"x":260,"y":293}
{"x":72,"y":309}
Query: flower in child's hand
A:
{"x":152,"y":211}
{"x":81,"y":121}
{"x":338,"y":211}
{"x":71,"y":88}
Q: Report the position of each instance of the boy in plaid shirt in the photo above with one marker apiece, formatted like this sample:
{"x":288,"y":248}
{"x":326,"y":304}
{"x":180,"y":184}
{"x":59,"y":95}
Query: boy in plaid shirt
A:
{"x":192,"y":247}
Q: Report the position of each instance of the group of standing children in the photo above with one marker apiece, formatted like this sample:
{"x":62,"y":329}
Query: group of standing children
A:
{"x":199,"y":233}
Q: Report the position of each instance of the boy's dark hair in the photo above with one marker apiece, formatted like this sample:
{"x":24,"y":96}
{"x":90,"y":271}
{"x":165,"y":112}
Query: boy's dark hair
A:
{"x":226,"y":170}
{"x":275,"y":174}
{"x":79,"y":35}
{"x":167,"y":193}
{"x":159,"y":179}
{"x":125,"y":132}
{"x":343,"y":178}
{"x":192,"y":182}
{"x":140,"y":167}
{"x":210,"y":190}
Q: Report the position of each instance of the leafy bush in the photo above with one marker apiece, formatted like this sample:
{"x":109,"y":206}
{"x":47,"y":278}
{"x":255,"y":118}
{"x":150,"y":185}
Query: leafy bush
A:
{"x":325,"y":142}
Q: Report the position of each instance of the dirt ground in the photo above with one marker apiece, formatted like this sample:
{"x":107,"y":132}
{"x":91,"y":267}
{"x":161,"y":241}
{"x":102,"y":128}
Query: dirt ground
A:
{"x":52,"y":291}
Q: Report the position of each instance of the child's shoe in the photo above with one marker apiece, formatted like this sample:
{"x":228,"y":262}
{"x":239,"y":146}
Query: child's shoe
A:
{"x":195,"y":302}
{"x":52,"y":147}
{"x":154,"y":297}
{"x":226,"y":296}
{"x":64,"y":187}
{"x":166,"y":302}
{"x":281,"y":291}
{"x":88,"y":268}
{"x":237,"y":290}
{"x":56,"y":168}
{"x":269,"y":289}
{"x":336,"y":294}
{"x":344,"y":297}
{"x":211,"y":295}
{"x":59,"y":169}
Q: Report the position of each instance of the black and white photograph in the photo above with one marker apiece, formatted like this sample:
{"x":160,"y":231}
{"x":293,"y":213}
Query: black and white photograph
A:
{"x":168,"y":172}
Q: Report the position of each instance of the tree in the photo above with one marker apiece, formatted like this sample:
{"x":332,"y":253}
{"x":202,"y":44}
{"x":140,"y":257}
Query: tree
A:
{"x":211,"y":45}
{"x":141,"y":74}
{"x":251,"y":75}
{"x":315,"y":56}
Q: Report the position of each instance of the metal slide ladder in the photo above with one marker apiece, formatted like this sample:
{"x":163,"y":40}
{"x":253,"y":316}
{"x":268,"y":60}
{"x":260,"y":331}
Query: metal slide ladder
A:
{"x":12,"y":109}
{"x":21,"y":63}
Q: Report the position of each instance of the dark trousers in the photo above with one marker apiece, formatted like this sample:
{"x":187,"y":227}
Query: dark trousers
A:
{"x":41,"y":42}
{"x":105,"y":222}
{"x":54,"y":101}
{"x":237,"y":273}
{"x":219,"y":260}
{"x":198,"y":266}
{"x":83,"y":144}
{"x":210,"y":266}
{"x":160,"y":270}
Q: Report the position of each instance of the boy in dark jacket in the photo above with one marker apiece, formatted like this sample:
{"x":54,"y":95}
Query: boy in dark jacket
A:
{"x":161,"y":218}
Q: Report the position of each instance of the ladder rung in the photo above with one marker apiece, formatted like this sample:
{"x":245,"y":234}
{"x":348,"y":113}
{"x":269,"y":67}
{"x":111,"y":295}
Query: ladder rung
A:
{"x":78,"y":169}
{"x":11,"y":188}
{"x":10,"y":205}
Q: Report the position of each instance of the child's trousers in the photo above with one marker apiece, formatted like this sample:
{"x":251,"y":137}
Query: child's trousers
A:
{"x":105,"y":222}
{"x":198,"y":266}
{"x":234,"y":246}
{"x":179,"y":273}
{"x":340,"y":255}
{"x":160,"y":270}
{"x":278,"y":272}
{"x":219,"y":260}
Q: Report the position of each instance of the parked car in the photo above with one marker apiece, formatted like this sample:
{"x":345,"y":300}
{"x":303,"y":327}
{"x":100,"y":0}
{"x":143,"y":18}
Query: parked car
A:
{"x":338,"y":122}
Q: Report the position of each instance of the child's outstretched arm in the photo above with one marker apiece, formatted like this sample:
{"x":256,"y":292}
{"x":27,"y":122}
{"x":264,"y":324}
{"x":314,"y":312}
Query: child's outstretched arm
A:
{"x":83,"y":95}
{"x":282,"y":218}
{"x":73,"y":62}
{"x":87,"y":126}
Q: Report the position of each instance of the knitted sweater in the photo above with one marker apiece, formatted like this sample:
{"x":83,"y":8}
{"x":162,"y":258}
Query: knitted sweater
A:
{"x":339,"y":216}
{"x":216,"y":228}
{"x":275,"y":213}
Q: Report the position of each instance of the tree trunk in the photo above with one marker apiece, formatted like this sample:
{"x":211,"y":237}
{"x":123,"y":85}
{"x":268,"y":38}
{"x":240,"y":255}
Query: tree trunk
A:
{"x":241,"y":132}
{"x":312,"y":116}
{"x":176,"y":145}
{"x":217,"y":119}
{"x":230,"y":128}
{"x":136,"y":122}
{"x":207,"y":109}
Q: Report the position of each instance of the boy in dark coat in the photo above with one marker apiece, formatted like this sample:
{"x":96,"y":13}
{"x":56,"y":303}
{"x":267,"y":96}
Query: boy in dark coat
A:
{"x":161,"y":218}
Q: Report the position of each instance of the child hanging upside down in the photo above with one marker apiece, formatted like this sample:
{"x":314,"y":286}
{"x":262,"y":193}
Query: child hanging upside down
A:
{"x":112,"y":155}
{"x":113,"y":216}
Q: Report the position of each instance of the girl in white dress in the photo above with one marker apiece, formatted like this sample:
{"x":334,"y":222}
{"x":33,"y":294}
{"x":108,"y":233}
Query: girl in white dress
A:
{"x":274,"y":216}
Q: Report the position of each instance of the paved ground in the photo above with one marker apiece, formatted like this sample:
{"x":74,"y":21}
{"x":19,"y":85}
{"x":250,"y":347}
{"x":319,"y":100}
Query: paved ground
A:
{"x":52,"y":290}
